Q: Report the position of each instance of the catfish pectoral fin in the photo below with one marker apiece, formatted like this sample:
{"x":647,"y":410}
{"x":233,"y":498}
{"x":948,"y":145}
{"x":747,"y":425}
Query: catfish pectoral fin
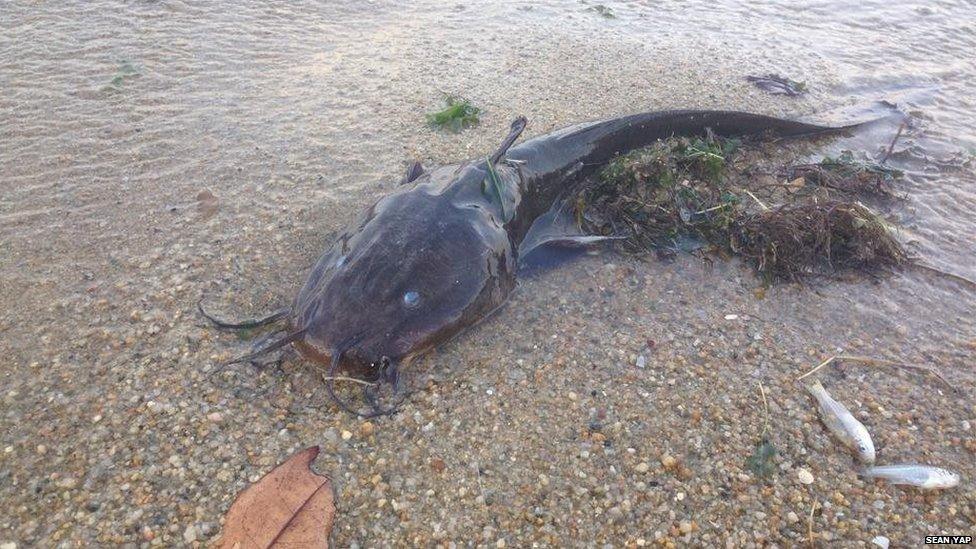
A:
{"x":558,"y":227}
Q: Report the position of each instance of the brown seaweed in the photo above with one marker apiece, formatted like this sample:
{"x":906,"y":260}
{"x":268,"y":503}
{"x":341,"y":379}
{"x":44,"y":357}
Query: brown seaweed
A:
{"x":680,"y":194}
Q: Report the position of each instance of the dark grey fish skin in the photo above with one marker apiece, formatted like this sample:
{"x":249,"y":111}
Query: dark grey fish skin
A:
{"x":778,"y":85}
{"x":438,"y":256}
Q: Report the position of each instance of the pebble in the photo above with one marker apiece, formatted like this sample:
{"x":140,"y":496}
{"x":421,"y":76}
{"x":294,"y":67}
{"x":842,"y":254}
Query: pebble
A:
{"x":881,"y":541}
{"x":697,"y":399}
{"x":190,"y":534}
{"x":804,"y":476}
{"x":438,"y":464}
{"x":67,"y":483}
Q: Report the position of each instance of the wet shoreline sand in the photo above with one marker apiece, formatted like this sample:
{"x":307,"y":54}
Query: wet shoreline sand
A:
{"x":537,"y":426}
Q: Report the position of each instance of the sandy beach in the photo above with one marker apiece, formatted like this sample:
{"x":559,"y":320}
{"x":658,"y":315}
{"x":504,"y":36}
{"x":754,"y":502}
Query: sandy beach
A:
{"x":153,"y":153}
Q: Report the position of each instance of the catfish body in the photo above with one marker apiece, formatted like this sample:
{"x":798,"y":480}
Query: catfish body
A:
{"x":437,"y":256}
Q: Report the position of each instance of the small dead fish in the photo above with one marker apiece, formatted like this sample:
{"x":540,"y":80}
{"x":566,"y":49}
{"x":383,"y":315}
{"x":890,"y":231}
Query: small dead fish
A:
{"x":843,"y":424}
{"x":926,"y":477}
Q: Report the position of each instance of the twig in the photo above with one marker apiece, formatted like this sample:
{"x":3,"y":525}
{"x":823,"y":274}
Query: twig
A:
{"x":810,"y":524}
{"x":893,"y":141}
{"x":813,"y":371}
{"x":750,"y":315}
{"x":713,"y":208}
{"x":765,"y":207}
{"x":762,"y":393}
{"x":940,"y":272}
{"x":481,"y":486}
{"x":344,"y":378}
{"x":877,"y":361}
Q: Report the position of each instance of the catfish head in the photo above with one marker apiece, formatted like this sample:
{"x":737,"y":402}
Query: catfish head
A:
{"x":420,"y":266}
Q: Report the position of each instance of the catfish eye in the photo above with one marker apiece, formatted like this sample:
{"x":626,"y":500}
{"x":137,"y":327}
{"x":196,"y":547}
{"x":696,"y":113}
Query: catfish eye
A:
{"x":411,"y":298}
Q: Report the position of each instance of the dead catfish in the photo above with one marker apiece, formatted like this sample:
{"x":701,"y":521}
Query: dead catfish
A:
{"x":443,"y":251}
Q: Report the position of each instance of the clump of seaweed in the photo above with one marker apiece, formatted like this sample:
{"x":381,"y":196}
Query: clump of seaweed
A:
{"x":604,"y":11}
{"x":804,"y":239}
{"x":761,"y":461}
{"x":682,"y":194}
{"x":126,"y":70}
{"x":846,"y":174}
{"x":456,"y":116}
{"x":668,"y":195}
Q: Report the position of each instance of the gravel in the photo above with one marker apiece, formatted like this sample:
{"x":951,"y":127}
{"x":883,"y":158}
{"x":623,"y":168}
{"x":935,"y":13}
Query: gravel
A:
{"x":118,"y":426}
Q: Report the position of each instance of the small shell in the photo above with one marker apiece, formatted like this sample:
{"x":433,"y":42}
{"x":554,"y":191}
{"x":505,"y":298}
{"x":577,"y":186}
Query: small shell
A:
{"x":804,"y":476}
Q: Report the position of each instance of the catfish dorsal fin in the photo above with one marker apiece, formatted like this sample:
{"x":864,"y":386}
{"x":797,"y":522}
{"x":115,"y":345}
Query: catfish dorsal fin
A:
{"x":517,"y":126}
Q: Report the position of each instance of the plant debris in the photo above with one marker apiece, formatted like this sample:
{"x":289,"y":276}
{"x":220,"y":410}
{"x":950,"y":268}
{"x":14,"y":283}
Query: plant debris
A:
{"x":602,"y":10}
{"x":778,"y":85}
{"x":291,"y":506}
{"x":684,"y":194}
{"x":668,"y":195}
{"x":126,"y":70}
{"x":847,"y":175}
{"x":816,"y":238}
{"x":837,"y":359}
{"x":456,"y":116}
{"x":761,"y":461}
{"x":495,"y":184}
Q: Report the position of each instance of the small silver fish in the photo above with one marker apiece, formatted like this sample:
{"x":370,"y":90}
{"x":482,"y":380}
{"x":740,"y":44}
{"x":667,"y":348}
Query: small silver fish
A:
{"x":922,"y":476}
{"x":842,"y":423}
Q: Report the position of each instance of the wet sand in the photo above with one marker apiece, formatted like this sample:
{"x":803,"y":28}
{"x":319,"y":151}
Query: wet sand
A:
{"x":537,"y":426}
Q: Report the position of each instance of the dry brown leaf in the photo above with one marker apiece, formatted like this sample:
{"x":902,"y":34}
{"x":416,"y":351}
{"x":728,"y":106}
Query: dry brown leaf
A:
{"x":291,"y":506}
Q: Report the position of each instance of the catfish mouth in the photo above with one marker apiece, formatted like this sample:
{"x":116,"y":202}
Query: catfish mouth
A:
{"x":386,"y":371}
{"x":372,"y":374}
{"x":352,"y":358}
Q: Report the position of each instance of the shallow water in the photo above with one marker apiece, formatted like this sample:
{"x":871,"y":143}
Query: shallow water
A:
{"x":114,"y":116}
